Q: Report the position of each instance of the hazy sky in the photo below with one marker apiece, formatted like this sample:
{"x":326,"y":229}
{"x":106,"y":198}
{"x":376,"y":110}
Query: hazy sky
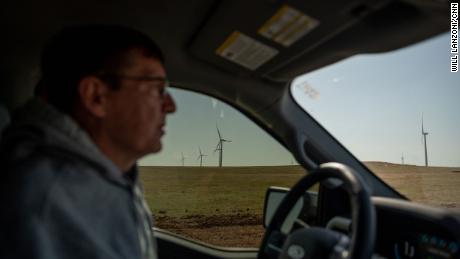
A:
{"x":373,"y":104}
{"x":194,"y":126}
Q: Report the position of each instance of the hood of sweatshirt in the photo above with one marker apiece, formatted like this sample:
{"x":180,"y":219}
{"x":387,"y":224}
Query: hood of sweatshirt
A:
{"x":38,"y":125}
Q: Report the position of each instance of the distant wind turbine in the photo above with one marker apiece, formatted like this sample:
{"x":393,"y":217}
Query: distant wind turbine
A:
{"x":424,"y":134}
{"x":200,"y":156}
{"x":183,"y":158}
{"x":220,"y":146}
{"x":402,"y":159}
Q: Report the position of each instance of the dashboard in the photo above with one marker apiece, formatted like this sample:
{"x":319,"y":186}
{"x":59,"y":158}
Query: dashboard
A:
{"x":409,"y":230}
{"x":404,"y":229}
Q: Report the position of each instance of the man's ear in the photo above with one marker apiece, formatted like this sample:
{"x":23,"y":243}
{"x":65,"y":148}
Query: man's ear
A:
{"x":93,"y":95}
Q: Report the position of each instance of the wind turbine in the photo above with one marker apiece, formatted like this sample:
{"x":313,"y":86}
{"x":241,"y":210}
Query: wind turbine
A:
{"x":424,"y":134}
{"x":183,"y":158}
{"x":402,"y":159}
{"x":200,"y":156}
{"x":220,"y":146}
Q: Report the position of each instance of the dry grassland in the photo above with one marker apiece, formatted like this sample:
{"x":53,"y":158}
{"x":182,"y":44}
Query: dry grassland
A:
{"x":438,"y":186}
{"x":223,"y":206}
{"x":181,"y":191}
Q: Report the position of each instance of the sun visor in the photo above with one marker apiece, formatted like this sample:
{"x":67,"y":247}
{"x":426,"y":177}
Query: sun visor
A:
{"x":256,"y":39}
{"x":279,"y":40}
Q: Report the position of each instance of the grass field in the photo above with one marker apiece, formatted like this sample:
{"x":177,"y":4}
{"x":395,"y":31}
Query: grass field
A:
{"x":438,"y":186}
{"x":180,"y":191}
{"x":207,"y":203}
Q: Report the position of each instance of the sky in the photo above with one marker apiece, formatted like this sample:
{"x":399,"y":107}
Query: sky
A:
{"x":194,"y":126}
{"x":373,"y":104}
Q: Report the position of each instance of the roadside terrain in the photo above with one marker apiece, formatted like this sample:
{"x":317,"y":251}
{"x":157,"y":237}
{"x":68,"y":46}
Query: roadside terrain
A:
{"x":224,"y":206}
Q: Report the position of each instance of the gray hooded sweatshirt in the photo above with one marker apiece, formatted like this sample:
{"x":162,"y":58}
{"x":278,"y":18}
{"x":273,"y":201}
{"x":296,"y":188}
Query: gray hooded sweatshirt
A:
{"x":62,"y":198}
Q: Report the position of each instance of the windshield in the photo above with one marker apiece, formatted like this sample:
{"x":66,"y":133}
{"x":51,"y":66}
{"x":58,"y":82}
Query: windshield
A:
{"x":396,"y":112}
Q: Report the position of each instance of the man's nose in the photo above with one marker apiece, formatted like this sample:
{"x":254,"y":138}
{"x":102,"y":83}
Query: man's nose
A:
{"x":168,"y":104}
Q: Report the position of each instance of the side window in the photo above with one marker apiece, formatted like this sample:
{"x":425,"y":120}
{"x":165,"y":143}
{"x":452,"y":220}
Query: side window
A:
{"x":208,"y":187}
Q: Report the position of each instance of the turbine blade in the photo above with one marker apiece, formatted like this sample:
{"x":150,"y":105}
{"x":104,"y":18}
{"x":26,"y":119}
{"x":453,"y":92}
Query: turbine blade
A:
{"x":423,"y":131}
{"x":218,"y":132}
{"x":423,"y":128}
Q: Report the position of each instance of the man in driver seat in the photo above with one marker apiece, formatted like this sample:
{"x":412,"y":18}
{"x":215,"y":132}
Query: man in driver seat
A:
{"x":70,"y":188}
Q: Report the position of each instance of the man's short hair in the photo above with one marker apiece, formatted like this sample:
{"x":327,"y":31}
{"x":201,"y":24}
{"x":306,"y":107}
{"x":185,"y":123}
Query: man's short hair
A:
{"x":79,"y":51}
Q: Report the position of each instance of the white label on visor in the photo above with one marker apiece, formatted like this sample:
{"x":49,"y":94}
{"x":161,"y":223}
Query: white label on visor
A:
{"x":287,"y":26}
{"x":245,"y":51}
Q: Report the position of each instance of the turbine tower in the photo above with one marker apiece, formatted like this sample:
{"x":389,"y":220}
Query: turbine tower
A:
{"x":424,"y":134}
{"x":220,"y":146}
{"x":183,"y":158}
{"x":200,"y":156}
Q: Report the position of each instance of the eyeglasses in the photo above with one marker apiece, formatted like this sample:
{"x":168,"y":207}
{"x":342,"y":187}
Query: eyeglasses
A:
{"x":164,"y":82}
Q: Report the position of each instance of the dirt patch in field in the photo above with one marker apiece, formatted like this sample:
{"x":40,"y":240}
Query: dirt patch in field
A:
{"x":229,"y":236}
{"x":202,"y":221}
{"x":235,"y":230}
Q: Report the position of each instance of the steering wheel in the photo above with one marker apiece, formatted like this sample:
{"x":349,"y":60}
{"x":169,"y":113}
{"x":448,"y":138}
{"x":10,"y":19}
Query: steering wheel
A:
{"x":317,"y":242}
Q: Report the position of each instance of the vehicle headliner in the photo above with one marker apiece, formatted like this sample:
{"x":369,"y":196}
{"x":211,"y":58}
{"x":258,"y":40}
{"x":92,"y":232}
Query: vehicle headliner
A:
{"x":188,"y":32}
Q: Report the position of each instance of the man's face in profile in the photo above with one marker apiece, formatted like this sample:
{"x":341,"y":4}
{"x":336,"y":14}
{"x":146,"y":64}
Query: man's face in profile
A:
{"x":136,"y":111}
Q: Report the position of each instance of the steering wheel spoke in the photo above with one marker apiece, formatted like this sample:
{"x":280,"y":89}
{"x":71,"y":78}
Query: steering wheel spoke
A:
{"x":275,"y":243}
{"x":300,"y":224}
